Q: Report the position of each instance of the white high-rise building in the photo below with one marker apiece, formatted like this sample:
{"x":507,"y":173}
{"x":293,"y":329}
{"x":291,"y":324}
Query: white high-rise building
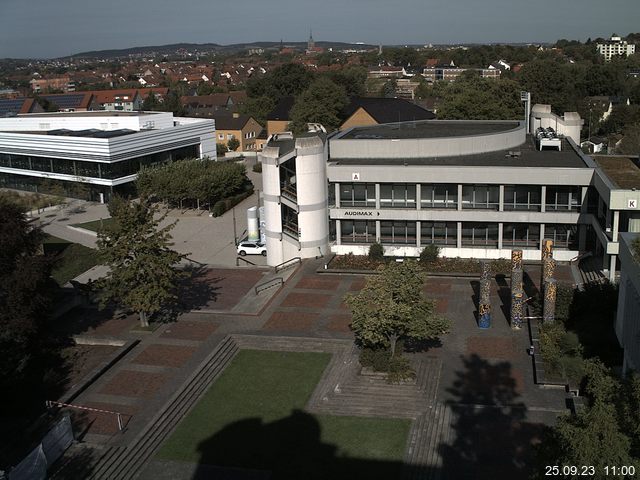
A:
{"x":614,"y":47}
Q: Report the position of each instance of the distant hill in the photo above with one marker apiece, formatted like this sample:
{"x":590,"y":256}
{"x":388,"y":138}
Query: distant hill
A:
{"x":205,"y":47}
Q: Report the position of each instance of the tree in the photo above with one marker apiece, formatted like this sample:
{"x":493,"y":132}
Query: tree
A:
{"x":143,"y":272}
{"x":258,"y":108}
{"x":221,"y":149}
{"x":630,"y":144}
{"x":321,"y":103}
{"x":287,"y":79}
{"x":472,"y":97}
{"x":233,"y":144}
{"x":596,"y":435}
{"x":25,"y":297}
{"x":392,"y":307}
{"x":150,"y":103}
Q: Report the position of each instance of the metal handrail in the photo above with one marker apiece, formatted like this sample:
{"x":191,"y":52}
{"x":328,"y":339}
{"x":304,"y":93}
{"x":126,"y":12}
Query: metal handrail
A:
{"x":244,"y":260}
{"x":274,"y":282}
{"x":287,"y":264}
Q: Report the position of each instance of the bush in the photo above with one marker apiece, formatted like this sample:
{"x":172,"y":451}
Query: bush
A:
{"x":257,"y":167}
{"x":222,"y":206}
{"x":429,"y":254}
{"x":400,"y":370}
{"x":376,"y":251}
{"x":397,"y":368}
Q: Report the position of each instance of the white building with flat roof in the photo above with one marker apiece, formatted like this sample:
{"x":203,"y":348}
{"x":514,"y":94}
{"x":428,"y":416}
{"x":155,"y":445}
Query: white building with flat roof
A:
{"x":615,"y":46}
{"x":95,"y":154}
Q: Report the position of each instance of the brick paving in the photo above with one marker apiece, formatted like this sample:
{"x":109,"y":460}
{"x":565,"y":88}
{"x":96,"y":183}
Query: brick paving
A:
{"x":190,"y":330}
{"x":478,"y":366}
{"x":164,"y":355}
{"x":128,"y":383}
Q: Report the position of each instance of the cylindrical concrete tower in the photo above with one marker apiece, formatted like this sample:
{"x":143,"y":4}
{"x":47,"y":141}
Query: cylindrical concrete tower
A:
{"x":294,"y":183}
{"x":313,"y":215}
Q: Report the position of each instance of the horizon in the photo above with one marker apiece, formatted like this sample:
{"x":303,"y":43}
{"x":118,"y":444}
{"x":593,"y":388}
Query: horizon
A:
{"x":45,"y":31}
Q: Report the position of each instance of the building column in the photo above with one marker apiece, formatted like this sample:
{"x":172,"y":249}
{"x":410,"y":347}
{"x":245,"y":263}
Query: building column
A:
{"x":337,"y":195}
{"x":612,"y":268}
{"x":338,"y":233}
{"x":500,"y":224}
{"x":543,"y":198}
{"x":459,"y":198}
{"x":616,"y":225}
{"x":418,"y":235}
{"x":378,"y":230}
{"x":378,"y":201}
{"x":541,"y":238}
{"x":501,"y":199}
{"x":583,"y":199}
{"x":582,"y":237}
{"x":459,"y":236}
{"x":418,"y":196}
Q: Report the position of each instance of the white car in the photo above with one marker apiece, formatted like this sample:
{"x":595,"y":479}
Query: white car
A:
{"x":252,"y":248}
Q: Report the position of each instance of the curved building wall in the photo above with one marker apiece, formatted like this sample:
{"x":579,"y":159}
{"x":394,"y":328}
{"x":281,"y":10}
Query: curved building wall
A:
{"x":311,"y":178}
{"x":271,"y":196}
{"x":428,"y":147}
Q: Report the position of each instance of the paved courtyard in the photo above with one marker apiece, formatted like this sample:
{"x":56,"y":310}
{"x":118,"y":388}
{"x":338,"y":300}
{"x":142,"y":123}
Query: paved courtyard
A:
{"x":482,"y":408}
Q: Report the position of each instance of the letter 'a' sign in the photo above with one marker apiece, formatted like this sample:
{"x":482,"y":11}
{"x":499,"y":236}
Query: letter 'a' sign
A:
{"x":355,"y":177}
{"x":632,"y":203}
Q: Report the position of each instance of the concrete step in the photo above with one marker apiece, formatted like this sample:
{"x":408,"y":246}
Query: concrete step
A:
{"x":127,"y":463}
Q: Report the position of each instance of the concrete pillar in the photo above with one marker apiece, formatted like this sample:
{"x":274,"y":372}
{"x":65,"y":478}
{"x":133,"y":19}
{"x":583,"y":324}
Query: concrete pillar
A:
{"x":418,"y":234}
{"x":338,"y":233}
{"x":418,"y":196}
{"x":484,"y":306}
{"x":517,"y":309}
{"x":500,"y":226}
{"x":612,"y":268}
{"x":583,"y":199}
{"x":549,"y":307}
{"x":459,"y":197}
{"x":378,"y":197}
{"x":337,"y":194}
{"x":616,"y":225}
{"x":501,"y":201}
{"x":541,"y":236}
{"x":378,"y":230}
{"x":543,"y":198}
{"x":459,"y":236}
{"x":582,"y":237}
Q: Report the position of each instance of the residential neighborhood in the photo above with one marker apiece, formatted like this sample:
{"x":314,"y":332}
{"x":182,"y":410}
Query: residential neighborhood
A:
{"x":315,"y":257}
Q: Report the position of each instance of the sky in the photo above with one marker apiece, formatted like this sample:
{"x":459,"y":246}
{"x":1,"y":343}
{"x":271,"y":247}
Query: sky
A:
{"x":54,"y":28}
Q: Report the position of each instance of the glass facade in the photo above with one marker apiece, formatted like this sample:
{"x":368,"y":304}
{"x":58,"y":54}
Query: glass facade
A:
{"x":520,"y":235}
{"x":398,"y":232}
{"x":479,"y":234}
{"x":358,"y":195}
{"x":82,"y":168}
{"x":522,"y":197}
{"x":397,"y":195}
{"x":439,"y":196}
{"x":486,"y":197}
{"x":357,"y":231}
{"x":438,"y":233}
{"x":564,"y":236}
{"x":563,"y":198}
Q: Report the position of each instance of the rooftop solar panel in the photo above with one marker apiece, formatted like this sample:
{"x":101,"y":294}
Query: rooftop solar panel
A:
{"x":65,"y":101}
{"x":10,"y":106}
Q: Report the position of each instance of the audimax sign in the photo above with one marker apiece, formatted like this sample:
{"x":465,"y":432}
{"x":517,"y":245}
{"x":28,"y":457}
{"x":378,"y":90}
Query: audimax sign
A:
{"x":360,"y":213}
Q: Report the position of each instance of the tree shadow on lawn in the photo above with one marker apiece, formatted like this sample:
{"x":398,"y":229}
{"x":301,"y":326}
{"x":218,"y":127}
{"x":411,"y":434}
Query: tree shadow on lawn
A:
{"x":493,"y":439}
{"x":286,"y":449}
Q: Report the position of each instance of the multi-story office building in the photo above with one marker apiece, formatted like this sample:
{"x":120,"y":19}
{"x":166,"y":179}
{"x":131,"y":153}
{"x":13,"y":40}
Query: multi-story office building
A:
{"x":95,"y":154}
{"x":475,"y":188}
{"x":628,"y":314}
{"x":615,"y":46}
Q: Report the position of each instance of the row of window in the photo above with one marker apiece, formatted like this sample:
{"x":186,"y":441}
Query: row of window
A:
{"x":446,"y":233}
{"x":81,"y":168}
{"x":486,"y":197}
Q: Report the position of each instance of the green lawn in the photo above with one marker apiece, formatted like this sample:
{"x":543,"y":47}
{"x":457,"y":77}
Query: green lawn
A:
{"x":252,"y":418}
{"x":94,"y":225}
{"x":72,"y":259}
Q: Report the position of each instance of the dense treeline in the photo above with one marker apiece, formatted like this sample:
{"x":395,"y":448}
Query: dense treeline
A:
{"x":193,"y":183}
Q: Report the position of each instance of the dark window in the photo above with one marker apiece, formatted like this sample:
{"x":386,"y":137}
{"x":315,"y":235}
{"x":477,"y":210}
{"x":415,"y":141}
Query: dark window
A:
{"x":485,"y":197}
{"x":397,"y":195}
{"x":358,"y":231}
{"x":439,"y":233}
{"x":479,"y":234}
{"x":522,"y":197}
{"x":439,"y":196}
{"x":520,"y":235}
